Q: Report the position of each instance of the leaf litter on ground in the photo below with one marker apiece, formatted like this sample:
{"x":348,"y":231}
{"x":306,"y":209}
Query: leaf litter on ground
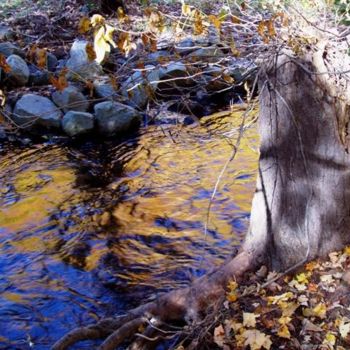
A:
{"x":307,"y":310}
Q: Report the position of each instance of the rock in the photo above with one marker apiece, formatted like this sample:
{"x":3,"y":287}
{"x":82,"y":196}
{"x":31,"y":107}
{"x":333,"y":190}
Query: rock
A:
{"x":19,"y":73}
{"x":170,"y":79}
{"x":6,"y":33}
{"x":114,"y":117}
{"x":70,"y":99}
{"x":158,"y":57}
{"x":51,"y":62}
{"x":76,"y":123}
{"x":173,"y":70}
{"x":207,"y":54}
{"x":34,"y":110}
{"x":79,"y":65}
{"x":7,"y":49}
{"x":185,"y":46}
{"x":39,"y":78}
{"x":142,"y":85}
{"x":103,"y":88}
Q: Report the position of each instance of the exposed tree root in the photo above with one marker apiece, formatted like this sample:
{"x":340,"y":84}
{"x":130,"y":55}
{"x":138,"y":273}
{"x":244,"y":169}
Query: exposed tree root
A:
{"x":188,"y":304}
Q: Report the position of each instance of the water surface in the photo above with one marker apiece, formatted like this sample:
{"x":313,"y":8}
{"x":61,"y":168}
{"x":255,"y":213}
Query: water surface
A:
{"x":90,"y":230}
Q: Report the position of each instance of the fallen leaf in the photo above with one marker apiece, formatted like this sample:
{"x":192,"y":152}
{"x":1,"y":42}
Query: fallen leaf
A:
{"x":280,"y":298}
{"x":256,"y":339}
{"x":344,"y":327}
{"x":329,"y":339}
{"x":219,"y":335}
{"x":84,"y":25}
{"x":283,"y":332}
{"x":4,"y":65}
{"x":249,"y":319}
{"x":308,"y":326}
{"x":302,"y":278}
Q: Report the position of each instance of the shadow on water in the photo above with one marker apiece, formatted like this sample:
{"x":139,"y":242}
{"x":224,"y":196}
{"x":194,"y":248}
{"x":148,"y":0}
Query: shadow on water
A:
{"x":92,"y":229}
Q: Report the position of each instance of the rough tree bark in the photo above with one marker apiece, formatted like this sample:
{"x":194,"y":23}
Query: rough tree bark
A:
{"x":301,"y":207}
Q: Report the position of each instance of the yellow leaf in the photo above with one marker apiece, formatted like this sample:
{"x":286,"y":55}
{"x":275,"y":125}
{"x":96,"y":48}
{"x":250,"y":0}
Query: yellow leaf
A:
{"x":198,"y":23}
{"x":249,"y":319}
{"x":232,"y":285}
{"x":101,"y":47}
{"x":109,"y":30}
{"x":284,"y":320}
{"x":289,"y":308}
{"x":186,"y":9}
{"x":347,"y":250}
{"x":215,"y":21}
{"x":329,"y":339}
{"x":84,"y":25}
{"x":256,"y":339}
{"x":320,"y":310}
{"x":283,"y":331}
{"x":280,"y":298}
{"x":97,"y":21}
{"x":301,"y":278}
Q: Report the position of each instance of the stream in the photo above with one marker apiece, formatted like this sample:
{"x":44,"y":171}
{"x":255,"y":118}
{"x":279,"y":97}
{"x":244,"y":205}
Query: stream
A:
{"x":93,"y":229}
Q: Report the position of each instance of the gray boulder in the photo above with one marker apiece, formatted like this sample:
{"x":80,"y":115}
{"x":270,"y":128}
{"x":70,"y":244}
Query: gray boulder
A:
{"x":79,"y":65}
{"x":70,"y":99}
{"x":34,"y":110}
{"x":114,"y":117}
{"x":139,"y":87}
{"x":76,"y":123}
{"x":19,"y":73}
{"x":7,"y":49}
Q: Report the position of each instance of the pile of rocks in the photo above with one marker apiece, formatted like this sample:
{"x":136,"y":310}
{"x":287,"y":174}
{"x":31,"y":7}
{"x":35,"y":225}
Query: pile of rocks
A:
{"x":109,"y":111}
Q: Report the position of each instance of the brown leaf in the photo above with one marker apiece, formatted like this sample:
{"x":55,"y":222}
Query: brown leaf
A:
{"x":60,"y":83}
{"x":31,"y":54}
{"x":41,"y":58}
{"x":90,"y":86}
{"x":4,"y":65}
{"x":122,"y":16}
{"x":84,"y":25}
{"x":91,"y":54}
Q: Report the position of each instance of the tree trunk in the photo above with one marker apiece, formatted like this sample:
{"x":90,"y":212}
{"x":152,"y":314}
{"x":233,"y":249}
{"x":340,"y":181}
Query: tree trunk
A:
{"x":301,"y":207}
{"x":302,"y":202}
